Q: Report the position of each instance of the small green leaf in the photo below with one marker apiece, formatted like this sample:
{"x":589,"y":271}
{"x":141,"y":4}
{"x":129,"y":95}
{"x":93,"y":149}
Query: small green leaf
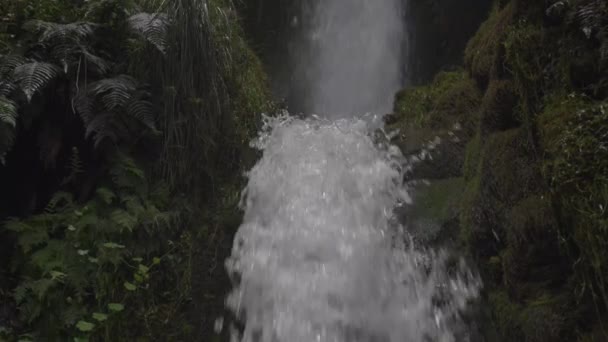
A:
{"x":71,"y":228}
{"x":100,"y":317}
{"x":138,"y":259}
{"x":138,"y":278}
{"x":113,"y":245}
{"x":93,"y":260}
{"x":83,"y":252}
{"x":143,"y":269}
{"x":57,"y":275}
{"x":156,"y":261}
{"x":85,"y":326}
{"x":129,"y":286}
{"x":116,"y":307}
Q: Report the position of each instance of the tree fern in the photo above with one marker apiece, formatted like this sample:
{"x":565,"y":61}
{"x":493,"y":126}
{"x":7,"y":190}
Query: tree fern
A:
{"x":151,"y":27}
{"x":33,"y":77}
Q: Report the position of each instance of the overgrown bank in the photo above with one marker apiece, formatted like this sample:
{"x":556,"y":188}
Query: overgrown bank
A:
{"x":523,"y":131}
{"x":124,"y":130}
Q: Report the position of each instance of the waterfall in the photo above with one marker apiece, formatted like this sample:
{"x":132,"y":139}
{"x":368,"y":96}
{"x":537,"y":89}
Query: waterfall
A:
{"x":320,"y":255}
{"x":355,"y":56}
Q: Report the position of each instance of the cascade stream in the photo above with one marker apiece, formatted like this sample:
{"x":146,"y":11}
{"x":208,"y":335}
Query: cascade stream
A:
{"x":320,"y":255}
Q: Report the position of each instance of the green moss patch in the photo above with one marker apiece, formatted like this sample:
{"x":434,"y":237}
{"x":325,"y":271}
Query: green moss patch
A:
{"x":484,"y":53}
{"x":498,"y":107}
{"x":451,"y":98}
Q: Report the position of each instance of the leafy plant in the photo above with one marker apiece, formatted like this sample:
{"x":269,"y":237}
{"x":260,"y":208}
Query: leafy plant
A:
{"x":86,"y":266}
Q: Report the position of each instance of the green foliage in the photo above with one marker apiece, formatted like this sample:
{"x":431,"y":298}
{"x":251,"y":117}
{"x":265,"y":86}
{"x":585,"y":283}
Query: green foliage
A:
{"x":87,"y":267}
{"x":212,"y":94}
{"x":575,"y":135}
{"x":525,"y":58}
{"x":484,"y":53}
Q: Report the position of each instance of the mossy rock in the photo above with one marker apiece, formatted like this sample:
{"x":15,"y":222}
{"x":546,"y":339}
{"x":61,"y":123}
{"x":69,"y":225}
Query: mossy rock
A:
{"x":498,"y":107}
{"x":472,"y":159}
{"x":444,"y":110}
{"x":484,"y":54}
{"x":510,"y":170}
{"x":505,"y":172}
{"x":451,"y":98}
{"x":545,"y":318}
{"x":526,"y":58}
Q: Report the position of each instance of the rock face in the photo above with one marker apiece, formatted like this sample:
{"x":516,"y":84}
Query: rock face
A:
{"x":522,"y":185}
{"x":439,"y":31}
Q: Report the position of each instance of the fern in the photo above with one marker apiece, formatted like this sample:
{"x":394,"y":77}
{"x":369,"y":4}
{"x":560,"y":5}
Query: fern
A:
{"x":124,"y":219}
{"x":8,"y":64}
{"x":151,"y":27}
{"x":49,"y":31}
{"x":75,"y":166}
{"x":142,"y":111}
{"x":106,"y":105}
{"x":60,"y":201}
{"x":33,"y":77}
{"x":106,"y":195}
{"x":592,"y":16}
{"x":8,"y":112}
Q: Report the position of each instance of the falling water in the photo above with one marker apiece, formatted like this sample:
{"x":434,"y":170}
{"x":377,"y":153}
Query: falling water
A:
{"x":320,"y":255}
{"x":356,"y":56}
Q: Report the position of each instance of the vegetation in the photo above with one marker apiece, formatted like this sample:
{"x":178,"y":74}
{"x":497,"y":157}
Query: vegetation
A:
{"x":533,"y":210}
{"x":106,"y":108}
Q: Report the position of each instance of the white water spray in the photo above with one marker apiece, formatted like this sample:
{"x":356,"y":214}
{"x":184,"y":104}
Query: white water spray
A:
{"x":320,"y":256}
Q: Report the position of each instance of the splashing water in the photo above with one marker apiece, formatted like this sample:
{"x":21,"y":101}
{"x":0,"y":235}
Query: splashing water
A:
{"x":320,"y":257}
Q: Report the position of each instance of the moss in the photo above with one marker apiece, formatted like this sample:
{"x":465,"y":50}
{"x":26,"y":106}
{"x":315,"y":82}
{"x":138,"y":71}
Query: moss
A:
{"x":541,"y":319}
{"x":525,"y":58}
{"x":472,"y":161}
{"x":498,"y":107}
{"x":509,"y":167}
{"x":438,"y":200}
{"x":505,"y":315}
{"x":452,"y":97}
{"x":484,"y":53}
{"x":532,"y":260}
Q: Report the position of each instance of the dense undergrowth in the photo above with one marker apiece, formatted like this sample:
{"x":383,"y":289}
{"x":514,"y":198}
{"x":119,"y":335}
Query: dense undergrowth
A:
{"x":124,"y":130}
{"x":531,"y":103}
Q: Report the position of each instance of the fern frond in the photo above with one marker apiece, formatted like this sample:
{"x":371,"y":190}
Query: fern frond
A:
{"x":49,"y":31}
{"x":59,"y":202}
{"x":29,"y":236}
{"x":8,"y":64}
{"x":8,"y":111}
{"x":152,"y":27}
{"x":84,"y":106}
{"x":142,"y":111}
{"x":6,"y":87}
{"x":115,"y":92}
{"x":106,"y":195}
{"x":101,"y":128}
{"x":32,"y":77}
{"x":100,"y":64}
{"x":123,"y":219}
